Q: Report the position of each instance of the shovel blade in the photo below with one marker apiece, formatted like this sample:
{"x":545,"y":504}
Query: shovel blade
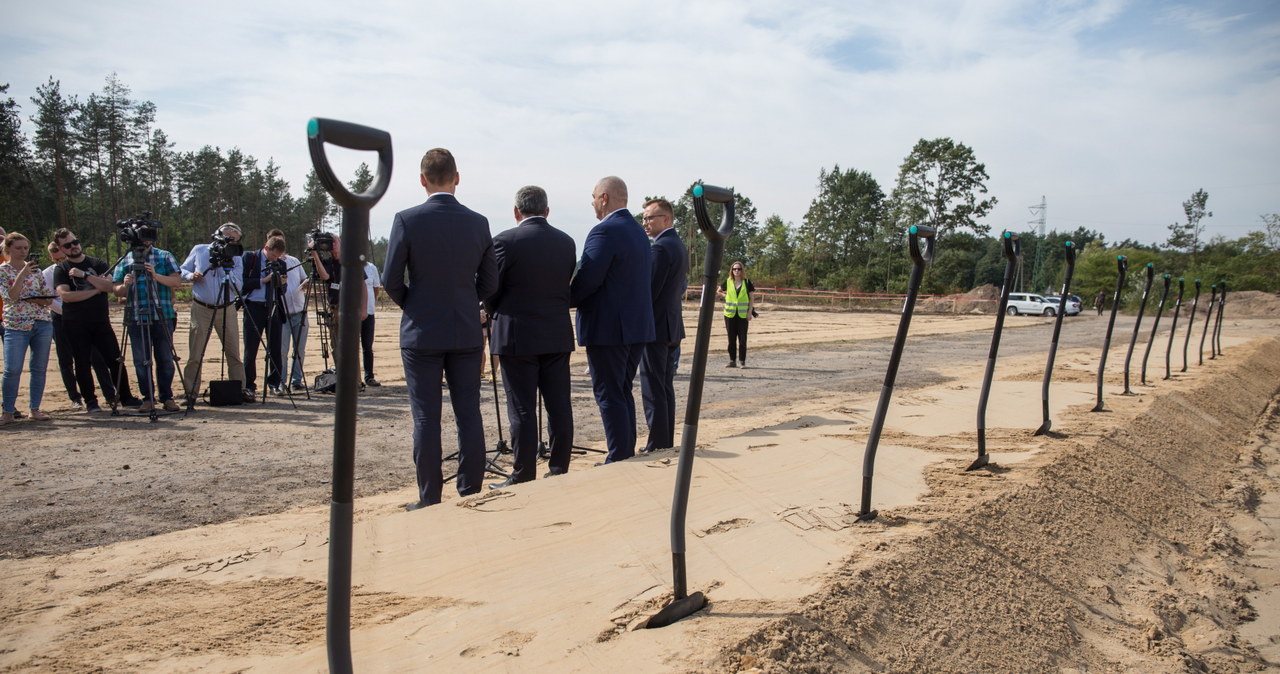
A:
{"x":981,"y":461}
{"x":677,"y":610}
{"x":1044,"y":428}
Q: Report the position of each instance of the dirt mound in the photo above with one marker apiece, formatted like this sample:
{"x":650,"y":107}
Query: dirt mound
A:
{"x":1252,"y":304}
{"x":1122,"y":555}
{"x":983,"y":292}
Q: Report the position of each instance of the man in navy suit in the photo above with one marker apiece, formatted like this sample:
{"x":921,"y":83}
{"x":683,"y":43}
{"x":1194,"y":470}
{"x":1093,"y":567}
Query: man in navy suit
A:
{"x":531,"y":332}
{"x":447,"y":253}
{"x":615,"y":311}
{"x":668,"y":283}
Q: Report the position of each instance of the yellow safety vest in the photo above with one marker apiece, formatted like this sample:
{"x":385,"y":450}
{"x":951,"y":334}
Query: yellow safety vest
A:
{"x":735,"y":301}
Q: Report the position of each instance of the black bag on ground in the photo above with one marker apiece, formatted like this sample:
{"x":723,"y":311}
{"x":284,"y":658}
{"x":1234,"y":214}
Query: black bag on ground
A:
{"x":222,"y":393}
{"x":326,"y":382}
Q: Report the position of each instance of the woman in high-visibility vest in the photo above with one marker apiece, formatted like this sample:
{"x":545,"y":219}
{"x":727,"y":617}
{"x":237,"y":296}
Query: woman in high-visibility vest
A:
{"x":738,"y":311}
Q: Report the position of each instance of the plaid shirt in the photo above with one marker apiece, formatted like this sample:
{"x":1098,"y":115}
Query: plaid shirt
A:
{"x":165,"y":264}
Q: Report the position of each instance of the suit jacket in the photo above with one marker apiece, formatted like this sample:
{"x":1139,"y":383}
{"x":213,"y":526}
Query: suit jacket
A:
{"x":446,"y":252}
{"x":611,"y":288}
{"x":530,"y":310}
{"x":670,"y":272}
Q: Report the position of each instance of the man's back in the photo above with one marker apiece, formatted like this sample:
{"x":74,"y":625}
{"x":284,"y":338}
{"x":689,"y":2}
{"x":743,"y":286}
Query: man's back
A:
{"x":445,"y":250}
{"x":531,"y":307}
{"x":611,"y":288}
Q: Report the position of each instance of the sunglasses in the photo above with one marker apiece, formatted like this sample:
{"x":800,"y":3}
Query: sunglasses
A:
{"x":737,"y":269}
{"x":71,"y":244}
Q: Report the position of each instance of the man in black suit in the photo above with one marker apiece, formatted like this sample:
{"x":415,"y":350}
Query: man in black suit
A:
{"x":447,"y":252}
{"x":657,"y":367}
{"x":531,"y":332}
{"x":615,"y":311}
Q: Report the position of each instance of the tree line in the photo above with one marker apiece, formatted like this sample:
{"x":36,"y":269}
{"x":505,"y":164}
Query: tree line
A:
{"x":91,"y":162}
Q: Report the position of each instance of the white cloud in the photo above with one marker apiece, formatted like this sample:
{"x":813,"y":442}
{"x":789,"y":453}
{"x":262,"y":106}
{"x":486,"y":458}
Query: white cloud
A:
{"x":1087,"y":103}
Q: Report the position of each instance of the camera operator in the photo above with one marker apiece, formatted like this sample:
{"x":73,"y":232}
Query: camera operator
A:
{"x":208,"y":266}
{"x":150,"y":320}
{"x":295,"y":323}
{"x":330,"y":270}
{"x":86,"y":321}
{"x":264,"y":274}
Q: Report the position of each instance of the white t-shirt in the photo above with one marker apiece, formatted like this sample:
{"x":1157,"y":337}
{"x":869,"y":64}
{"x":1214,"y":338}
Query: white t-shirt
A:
{"x":371,"y":280}
{"x":48,"y":280}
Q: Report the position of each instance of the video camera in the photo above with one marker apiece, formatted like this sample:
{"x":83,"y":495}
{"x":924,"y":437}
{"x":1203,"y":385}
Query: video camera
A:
{"x":277,"y":266}
{"x":320,"y":240}
{"x":223,"y":250}
{"x":139,"y":230}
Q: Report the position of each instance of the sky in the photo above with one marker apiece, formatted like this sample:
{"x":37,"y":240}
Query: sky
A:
{"x":1113,"y":112}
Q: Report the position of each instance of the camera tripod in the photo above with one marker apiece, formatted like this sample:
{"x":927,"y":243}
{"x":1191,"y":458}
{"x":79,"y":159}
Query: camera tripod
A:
{"x":146,"y":317}
{"x":273,"y":322}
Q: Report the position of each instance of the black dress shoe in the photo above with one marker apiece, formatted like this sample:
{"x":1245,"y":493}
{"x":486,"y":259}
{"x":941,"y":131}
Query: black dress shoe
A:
{"x":416,"y":506}
{"x":554,"y":473}
{"x":510,"y":482}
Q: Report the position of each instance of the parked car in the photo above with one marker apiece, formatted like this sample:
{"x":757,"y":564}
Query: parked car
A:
{"x":1074,"y":304}
{"x":1029,"y":303}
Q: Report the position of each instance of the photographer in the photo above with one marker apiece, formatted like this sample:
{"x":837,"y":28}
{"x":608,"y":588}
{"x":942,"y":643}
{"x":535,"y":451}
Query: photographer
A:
{"x":149,"y":313}
{"x":86,"y":321}
{"x":330,"y":271}
{"x":208,"y":267}
{"x":264,"y":280}
{"x":295,"y":323}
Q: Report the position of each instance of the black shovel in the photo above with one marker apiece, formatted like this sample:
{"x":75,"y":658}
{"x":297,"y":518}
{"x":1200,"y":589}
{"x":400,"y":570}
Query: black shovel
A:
{"x":1173,"y":330}
{"x":1012,"y":250}
{"x":1053,"y":344}
{"x":918,"y":260}
{"x":355,"y":229}
{"x":1208,"y":320}
{"x":1137,"y":324}
{"x":686,"y":604}
{"x":1191,"y":321}
{"x":1122,"y":268}
{"x":1217,"y":328}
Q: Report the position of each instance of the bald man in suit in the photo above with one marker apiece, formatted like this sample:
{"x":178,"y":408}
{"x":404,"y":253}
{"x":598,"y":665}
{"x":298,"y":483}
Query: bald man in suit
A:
{"x":615,"y":311}
{"x":447,"y":252}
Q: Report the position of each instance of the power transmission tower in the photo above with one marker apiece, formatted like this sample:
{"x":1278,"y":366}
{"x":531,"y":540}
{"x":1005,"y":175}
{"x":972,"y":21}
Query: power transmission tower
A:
{"x":1038,"y":213}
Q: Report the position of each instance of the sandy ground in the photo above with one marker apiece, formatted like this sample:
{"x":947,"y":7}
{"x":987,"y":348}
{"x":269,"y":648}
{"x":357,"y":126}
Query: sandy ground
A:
{"x":1143,"y":537}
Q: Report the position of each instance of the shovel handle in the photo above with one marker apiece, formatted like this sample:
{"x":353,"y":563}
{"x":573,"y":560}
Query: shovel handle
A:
{"x":353,"y":137}
{"x":1122,"y":264}
{"x":721,"y":195}
{"x":1012,"y":246}
{"x":929,"y":234}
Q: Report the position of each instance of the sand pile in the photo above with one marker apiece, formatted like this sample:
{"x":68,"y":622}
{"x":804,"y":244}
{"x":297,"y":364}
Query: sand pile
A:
{"x":1251,"y":304}
{"x":1121,"y":553}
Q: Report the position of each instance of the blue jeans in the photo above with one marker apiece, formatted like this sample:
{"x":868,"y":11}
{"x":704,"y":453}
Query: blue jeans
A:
{"x":297,"y":335}
{"x":16,"y":343}
{"x":160,"y":340}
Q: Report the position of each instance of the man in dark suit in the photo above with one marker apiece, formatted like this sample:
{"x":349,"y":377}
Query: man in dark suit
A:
{"x":657,"y":369}
{"x":447,"y":252}
{"x":531,"y":332}
{"x":615,"y":311}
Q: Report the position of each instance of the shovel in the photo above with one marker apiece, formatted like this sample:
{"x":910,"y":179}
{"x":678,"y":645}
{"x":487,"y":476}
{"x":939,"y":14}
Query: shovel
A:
{"x":1122,"y":267}
{"x":1208,"y":320}
{"x":1191,"y":321}
{"x":686,"y":604}
{"x":918,"y":260}
{"x":1053,"y":344}
{"x":1173,"y":330}
{"x":1164,"y":297}
{"x":1012,"y":250}
{"x":355,"y":229}
{"x":1128,"y":357}
{"x":1217,"y":328}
